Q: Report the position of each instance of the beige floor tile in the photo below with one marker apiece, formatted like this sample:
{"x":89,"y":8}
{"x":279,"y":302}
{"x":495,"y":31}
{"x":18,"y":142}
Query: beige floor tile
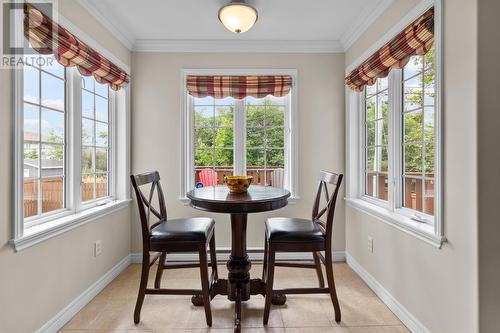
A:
{"x":104,"y":331}
{"x":364,"y":311}
{"x":302,"y":311}
{"x":361,"y":329}
{"x":224,"y":330}
{"x":370,"y":329}
{"x":396,"y":329}
{"x":87,"y":315}
{"x":223,"y":314}
{"x":112,"y":310}
{"x":311,"y":330}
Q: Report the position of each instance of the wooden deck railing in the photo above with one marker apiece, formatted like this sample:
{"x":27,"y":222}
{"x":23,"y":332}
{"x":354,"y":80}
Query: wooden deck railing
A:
{"x":53,"y":194}
{"x":261,"y":175}
{"x":413,"y":198}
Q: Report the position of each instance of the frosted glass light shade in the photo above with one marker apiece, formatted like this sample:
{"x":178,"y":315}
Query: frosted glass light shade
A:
{"x":237,"y":16}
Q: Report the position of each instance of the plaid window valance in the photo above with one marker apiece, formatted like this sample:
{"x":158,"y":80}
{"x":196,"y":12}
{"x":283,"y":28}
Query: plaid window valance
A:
{"x":238,"y":86}
{"x":47,"y":37}
{"x":416,"y":39}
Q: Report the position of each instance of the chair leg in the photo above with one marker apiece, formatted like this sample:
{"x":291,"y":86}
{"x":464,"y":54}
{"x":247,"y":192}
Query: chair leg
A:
{"x":331,"y":284}
{"x":269,"y":284}
{"x":142,"y":287}
{"x":159,"y":271}
{"x":204,"y":282}
{"x":264,"y":264}
{"x":319,"y":272}
{"x":213,"y":257}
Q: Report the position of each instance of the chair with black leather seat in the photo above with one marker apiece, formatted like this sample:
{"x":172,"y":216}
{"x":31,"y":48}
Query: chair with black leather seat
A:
{"x":304,"y":235}
{"x":170,"y":236}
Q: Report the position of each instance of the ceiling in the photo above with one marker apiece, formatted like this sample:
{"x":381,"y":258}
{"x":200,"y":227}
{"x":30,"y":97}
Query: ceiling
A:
{"x":329,"y":25}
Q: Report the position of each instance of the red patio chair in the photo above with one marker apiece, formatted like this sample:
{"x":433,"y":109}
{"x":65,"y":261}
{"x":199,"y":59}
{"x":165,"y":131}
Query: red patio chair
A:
{"x":208,"y":177}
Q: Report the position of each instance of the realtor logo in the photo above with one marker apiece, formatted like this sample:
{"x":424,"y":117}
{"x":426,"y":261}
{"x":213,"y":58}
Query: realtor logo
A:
{"x":17,"y":19}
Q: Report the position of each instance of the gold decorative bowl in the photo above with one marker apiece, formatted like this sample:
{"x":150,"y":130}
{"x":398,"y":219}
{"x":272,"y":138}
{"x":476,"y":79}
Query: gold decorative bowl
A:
{"x":238,"y":184}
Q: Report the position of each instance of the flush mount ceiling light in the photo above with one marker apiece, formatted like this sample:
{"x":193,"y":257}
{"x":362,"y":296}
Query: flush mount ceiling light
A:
{"x":237,"y":16}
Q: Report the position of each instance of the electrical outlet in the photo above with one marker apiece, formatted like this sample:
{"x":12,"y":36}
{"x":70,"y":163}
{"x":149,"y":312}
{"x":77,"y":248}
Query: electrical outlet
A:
{"x":97,"y":248}
{"x":370,"y":244}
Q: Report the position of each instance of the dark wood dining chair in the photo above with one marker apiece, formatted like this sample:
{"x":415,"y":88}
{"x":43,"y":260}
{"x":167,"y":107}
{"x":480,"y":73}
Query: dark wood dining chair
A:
{"x":169,"y":236}
{"x":304,"y":235}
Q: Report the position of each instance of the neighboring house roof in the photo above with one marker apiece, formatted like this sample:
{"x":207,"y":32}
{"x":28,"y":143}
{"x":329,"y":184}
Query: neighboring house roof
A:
{"x":31,"y":136}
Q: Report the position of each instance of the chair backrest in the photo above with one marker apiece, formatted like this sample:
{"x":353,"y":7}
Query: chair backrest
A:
{"x":208,"y":177}
{"x":146,"y":203}
{"x":334,"y":180}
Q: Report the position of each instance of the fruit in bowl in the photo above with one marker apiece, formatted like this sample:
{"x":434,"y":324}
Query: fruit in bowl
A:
{"x":238,"y":184}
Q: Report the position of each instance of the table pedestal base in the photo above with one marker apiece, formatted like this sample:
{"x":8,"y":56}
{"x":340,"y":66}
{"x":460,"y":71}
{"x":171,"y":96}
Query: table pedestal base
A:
{"x":236,"y":292}
{"x":238,"y":286}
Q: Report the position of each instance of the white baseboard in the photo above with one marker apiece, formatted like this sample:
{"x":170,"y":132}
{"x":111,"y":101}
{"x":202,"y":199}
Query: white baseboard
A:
{"x":255,"y":254}
{"x":411,"y":322}
{"x":65,"y":315}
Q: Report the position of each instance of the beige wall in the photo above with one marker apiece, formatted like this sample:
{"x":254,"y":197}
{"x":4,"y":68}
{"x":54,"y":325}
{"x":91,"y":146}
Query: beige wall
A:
{"x":156,"y":136}
{"x":439,"y":287}
{"x":38,"y":282}
{"x":489,"y":162}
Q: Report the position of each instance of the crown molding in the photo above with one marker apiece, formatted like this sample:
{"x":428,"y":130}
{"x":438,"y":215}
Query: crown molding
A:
{"x":119,"y":31}
{"x":362,"y":23}
{"x":260,"y":46}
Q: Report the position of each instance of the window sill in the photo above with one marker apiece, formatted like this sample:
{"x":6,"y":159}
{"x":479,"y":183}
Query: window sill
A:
{"x":42,"y":232}
{"x":422,"y":231}
{"x":291,"y":200}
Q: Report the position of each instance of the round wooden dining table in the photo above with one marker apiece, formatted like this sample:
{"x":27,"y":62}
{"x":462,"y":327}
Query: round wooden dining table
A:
{"x":238,"y":286}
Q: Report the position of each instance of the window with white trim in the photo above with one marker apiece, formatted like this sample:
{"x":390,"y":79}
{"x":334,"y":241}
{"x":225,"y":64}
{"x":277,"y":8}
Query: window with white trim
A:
{"x":414,"y":137}
{"x":418,"y":157}
{"x":65,"y":134}
{"x":95,"y":143}
{"x":44,"y":142}
{"x":399,"y":152}
{"x":245,"y":136}
{"x":376,"y":125}
{"x":251,"y":136}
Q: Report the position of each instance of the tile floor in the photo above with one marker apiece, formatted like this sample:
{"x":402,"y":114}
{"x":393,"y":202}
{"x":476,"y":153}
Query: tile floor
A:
{"x":112,"y":310}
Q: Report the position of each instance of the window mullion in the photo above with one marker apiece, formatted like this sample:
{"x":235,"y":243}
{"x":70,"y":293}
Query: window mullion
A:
{"x":75,"y":139}
{"x":190,"y":146}
{"x":239,"y":136}
{"x":395,"y":138}
{"x":112,"y":130}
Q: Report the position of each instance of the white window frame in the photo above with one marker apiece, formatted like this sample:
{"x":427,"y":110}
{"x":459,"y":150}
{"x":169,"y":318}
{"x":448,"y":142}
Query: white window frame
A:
{"x":187,"y":126}
{"x":391,"y":211}
{"x":75,"y":213}
{"x":112,"y":95}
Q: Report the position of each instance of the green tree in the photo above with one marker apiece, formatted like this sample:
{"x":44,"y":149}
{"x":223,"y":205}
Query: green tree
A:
{"x":264,"y":131}
{"x":419,"y":125}
{"x":31,"y":154}
{"x":56,"y":151}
